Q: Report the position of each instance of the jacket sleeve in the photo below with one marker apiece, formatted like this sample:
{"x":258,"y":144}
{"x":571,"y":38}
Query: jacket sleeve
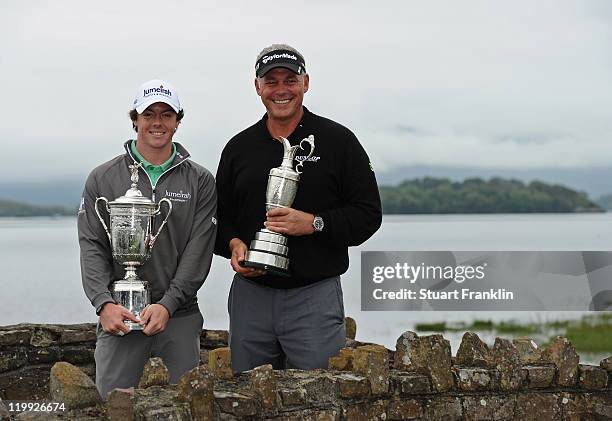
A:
{"x":96,"y":257}
{"x":226,"y":211}
{"x":360,"y":215}
{"x":196,"y":259}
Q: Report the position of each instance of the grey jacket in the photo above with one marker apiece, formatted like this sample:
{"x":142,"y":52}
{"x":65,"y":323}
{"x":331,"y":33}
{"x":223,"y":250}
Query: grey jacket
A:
{"x":181,"y":257}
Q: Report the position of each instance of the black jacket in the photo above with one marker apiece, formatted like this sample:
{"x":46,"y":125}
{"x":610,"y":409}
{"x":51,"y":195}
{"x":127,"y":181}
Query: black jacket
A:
{"x":337,"y":183}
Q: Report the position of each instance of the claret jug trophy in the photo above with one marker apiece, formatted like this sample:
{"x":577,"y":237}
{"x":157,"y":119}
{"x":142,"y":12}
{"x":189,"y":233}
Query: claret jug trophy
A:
{"x":268,"y":250}
{"x":131,"y":220}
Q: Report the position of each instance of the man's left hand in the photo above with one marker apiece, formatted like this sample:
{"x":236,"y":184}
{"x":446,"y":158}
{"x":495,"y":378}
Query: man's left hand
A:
{"x":289,"y":221}
{"x":154,"y":318}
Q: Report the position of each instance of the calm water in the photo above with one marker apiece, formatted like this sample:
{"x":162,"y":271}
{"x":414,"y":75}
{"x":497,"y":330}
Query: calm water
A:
{"x":41,"y":278}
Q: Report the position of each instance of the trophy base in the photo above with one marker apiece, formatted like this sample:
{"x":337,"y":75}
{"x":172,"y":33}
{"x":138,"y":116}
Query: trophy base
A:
{"x":133,"y":294}
{"x":132,"y":325}
{"x":272,"y":270}
{"x":268,"y":251}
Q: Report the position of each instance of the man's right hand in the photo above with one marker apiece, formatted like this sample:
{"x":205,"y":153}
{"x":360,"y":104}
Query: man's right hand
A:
{"x":112,"y":317}
{"x":239,"y":250}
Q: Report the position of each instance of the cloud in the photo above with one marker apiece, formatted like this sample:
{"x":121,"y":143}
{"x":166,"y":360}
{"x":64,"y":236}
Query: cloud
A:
{"x":514,"y":84}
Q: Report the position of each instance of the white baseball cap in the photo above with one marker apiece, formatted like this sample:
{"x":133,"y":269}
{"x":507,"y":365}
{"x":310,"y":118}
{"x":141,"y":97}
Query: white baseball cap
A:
{"x":153,"y":91}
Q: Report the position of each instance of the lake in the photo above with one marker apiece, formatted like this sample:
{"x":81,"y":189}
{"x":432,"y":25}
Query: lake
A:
{"x":41,"y":280}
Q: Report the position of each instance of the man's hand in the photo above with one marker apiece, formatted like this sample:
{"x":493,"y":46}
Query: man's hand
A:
{"x":289,"y":221}
{"x":154,"y":319}
{"x":112,"y":317}
{"x":239,"y":250}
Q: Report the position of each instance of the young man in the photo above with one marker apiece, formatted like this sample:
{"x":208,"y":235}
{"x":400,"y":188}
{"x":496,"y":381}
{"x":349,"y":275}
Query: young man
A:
{"x":180,"y":260}
{"x":296,"y":321}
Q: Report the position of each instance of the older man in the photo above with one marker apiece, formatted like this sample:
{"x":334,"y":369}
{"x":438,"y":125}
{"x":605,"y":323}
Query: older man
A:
{"x":181,"y":257}
{"x":295,"y":321}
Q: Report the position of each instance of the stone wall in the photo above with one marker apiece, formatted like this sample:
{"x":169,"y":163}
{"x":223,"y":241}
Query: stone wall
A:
{"x":420,"y":379}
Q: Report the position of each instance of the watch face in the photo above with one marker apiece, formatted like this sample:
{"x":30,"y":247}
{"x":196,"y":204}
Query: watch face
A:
{"x":318,"y":223}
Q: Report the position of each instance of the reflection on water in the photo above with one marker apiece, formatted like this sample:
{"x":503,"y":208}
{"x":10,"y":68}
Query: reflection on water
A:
{"x":41,"y":277}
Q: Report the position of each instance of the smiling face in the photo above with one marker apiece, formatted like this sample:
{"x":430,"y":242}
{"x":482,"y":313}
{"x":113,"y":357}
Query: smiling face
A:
{"x":156,"y":126}
{"x":282,"y":93}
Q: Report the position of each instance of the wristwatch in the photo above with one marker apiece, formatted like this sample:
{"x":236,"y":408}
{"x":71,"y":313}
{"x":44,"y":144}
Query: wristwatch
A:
{"x":318,"y":223}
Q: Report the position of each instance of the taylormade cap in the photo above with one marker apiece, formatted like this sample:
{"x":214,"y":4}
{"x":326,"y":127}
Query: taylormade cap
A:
{"x":153,"y":91}
{"x":280,"y":58}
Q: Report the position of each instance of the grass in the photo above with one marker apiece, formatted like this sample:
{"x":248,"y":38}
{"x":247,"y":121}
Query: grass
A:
{"x":592,"y":333}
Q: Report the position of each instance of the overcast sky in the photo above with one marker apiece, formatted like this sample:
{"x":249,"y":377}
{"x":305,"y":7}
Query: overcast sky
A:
{"x":514,"y":84}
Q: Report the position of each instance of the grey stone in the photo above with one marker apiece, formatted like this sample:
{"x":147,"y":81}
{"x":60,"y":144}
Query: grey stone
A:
{"x":405,"y":409}
{"x":72,"y":336}
{"x":592,"y":377}
{"x":36,"y":416}
{"x":11,"y":359}
{"x":534,"y":406}
{"x":472,"y":379}
{"x":351,"y":327}
{"x":562,"y":354}
{"x":147,"y":401}
{"x":15,"y":337}
{"x":539,"y":377}
{"x":78,"y":354}
{"x":599,"y":406}
{"x":155,"y":373}
{"x":410,"y":384}
{"x":26,"y":383}
{"x":220,"y":362}
{"x":573,"y":407}
{"x":342,"y":361}
{"x":492,"y":408}
{"x":174,"y":413}
{"x":528,"y":350}
{"x":120,"y":405}
{"x":372,"y":361}
{"x":263,"y":384}
{"x":236,"y":404}
{"x":367,"y":411}
{"x":428,"y":355}
{"x":4,"y":412}
{"x":70,"y":385}
{"x":351,"y":386}
{"x":319,"y":388}
{"x":505,"y":358}
{"x":473,"y":352}
{"x":443,"y":408}
{"x":308,"y":415}
{"x":213,"y":339}
{"x":44,"y":355}
{"x":292,"y":397}
{"x":196,"y":388}
{"x":606,"y":364}
{"x":45,"y":336}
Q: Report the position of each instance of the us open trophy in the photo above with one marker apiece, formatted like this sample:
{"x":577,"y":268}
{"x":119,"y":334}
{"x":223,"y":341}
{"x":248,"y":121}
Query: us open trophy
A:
{"x":131,"y":240}
{"x":268,"y":250}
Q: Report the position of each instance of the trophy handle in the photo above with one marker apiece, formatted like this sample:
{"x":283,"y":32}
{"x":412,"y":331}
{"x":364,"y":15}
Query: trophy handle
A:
{"x":100,"y":216}
{"x":310,"y":141}
{"x":157,"y":210}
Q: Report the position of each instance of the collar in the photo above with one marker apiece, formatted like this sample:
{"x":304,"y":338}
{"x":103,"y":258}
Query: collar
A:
{"x":181,"y":154}
{"x":304,"y":122}
{"x":147,"y":165}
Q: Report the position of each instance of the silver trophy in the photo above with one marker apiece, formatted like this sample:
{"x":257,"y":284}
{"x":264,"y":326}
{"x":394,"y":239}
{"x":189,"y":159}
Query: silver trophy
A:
{"x":268,"y":250}
{"x":131,"y":240}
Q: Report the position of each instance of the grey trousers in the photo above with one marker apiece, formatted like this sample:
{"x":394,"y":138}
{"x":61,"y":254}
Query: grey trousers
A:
{"x":288,"y":328}
{"x":120,"y":359}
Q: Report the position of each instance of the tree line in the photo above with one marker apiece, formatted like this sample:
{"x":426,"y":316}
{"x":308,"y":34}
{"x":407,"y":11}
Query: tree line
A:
{"x":475,"y":195}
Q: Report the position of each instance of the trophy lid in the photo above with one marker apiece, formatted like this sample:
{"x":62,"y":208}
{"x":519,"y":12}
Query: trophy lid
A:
{"x":133,"y":196}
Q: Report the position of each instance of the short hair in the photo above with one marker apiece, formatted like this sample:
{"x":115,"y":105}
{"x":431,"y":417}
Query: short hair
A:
{"x":275,"y":47}
{"x":134,"y":115}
